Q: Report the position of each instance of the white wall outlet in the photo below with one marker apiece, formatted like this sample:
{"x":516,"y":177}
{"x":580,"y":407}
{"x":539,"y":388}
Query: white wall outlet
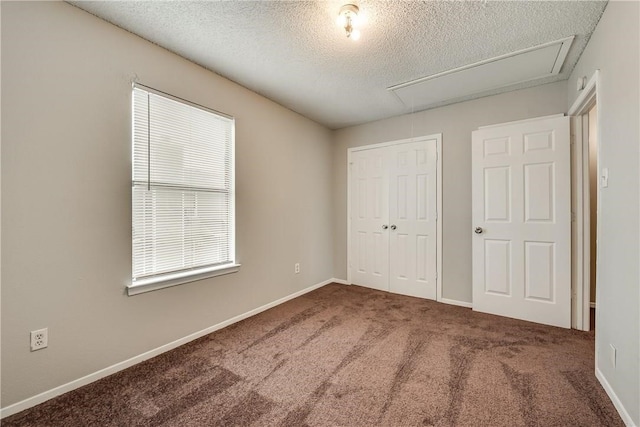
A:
{"x":612,"y":354}
{"x":296,"y":268}
{"x":39,"y":339}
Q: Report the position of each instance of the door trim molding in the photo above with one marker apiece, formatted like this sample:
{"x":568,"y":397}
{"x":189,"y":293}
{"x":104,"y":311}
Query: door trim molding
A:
{"x":438,"y":138}
{"x":581,"y":281}
{"x":586,"y":98}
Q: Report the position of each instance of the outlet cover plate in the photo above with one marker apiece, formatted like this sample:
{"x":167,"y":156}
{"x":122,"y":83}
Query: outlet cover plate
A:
{"x":39,"y":339}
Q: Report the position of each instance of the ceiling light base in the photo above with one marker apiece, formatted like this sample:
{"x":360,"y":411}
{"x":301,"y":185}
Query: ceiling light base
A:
{"x":349,"y":8}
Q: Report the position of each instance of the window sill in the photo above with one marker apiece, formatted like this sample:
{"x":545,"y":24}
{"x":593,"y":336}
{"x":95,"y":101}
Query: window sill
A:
{"x":173,"y":279}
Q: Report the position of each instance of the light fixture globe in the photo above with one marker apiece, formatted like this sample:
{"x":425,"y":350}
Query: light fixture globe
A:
{"x":348,"y":19}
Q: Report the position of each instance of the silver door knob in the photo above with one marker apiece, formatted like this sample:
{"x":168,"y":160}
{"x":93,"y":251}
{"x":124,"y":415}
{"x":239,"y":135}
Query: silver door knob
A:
{"x":393,"y":227}
{"x":384,"y":227}
{"x":478,"y":230}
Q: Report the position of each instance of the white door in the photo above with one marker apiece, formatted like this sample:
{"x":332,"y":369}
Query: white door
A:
{"x":522,"y":221}
{"x":393,"y":213}
{"x":370,"y":218}
{"x":412,"y":218}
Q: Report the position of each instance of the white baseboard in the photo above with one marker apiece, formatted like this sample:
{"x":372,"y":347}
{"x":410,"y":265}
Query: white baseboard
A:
{"x":340,"y":281}
{"x":50,"y":394}
{"x":626,"y":418}
{"x":456,"y":302}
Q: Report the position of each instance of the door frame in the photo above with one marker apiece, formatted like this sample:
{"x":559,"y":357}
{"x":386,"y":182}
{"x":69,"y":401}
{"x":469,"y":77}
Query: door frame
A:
{"x":438,"y":138}
{"x":580,"y":202}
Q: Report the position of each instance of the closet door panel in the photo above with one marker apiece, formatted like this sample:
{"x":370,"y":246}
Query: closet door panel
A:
{"x":412,"y":218}
{"x":393,"y":218}
{"x":369,"y":213}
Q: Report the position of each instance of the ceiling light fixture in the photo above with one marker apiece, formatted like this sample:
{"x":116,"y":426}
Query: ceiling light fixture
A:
{"x":348,"y":19}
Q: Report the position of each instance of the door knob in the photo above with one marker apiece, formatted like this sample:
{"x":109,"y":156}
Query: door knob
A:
{"x":393,"y":227}
{"x":478,"y":230}
{"x":384,"y":227}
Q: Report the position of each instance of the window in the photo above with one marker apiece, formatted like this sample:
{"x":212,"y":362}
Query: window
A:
{"x":183,"y":192}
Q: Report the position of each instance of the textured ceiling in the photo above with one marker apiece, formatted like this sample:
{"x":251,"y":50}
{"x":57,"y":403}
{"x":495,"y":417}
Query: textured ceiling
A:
{"x":295,"y":54}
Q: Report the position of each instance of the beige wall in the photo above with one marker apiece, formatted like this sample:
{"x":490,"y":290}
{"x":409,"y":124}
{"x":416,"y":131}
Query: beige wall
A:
{"x":66,"y":228}
{"x":455,"y":122}
{"x":614,"y":49}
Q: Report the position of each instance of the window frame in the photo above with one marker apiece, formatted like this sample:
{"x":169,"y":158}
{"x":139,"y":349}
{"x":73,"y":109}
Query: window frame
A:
{"x":168,"y":279}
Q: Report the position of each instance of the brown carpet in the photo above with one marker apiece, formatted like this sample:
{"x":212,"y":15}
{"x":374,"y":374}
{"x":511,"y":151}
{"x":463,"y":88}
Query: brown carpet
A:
{"x":351,"y":356}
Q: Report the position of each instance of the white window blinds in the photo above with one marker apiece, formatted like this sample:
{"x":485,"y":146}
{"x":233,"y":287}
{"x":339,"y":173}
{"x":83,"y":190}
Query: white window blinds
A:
{"x":183,"y":187}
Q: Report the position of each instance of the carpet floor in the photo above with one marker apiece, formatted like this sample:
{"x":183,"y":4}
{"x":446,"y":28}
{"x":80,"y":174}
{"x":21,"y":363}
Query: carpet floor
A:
{"x":352,"y":356}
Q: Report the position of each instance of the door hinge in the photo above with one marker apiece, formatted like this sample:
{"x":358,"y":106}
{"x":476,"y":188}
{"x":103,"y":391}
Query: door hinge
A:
{"x":573,"y":217}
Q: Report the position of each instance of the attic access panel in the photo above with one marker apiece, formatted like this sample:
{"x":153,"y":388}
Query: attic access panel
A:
{"x":524,"y":65}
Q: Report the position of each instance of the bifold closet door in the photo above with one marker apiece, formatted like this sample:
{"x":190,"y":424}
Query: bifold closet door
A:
{"x":369,"y":218}
{"x":412,"y":218}
{"x":393,"y":218}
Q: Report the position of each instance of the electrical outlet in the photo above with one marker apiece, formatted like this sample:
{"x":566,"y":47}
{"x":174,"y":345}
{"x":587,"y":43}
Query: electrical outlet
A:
{"x":296,"y":268}
{"x":39,"y":339}
{"x":613,"y":355}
